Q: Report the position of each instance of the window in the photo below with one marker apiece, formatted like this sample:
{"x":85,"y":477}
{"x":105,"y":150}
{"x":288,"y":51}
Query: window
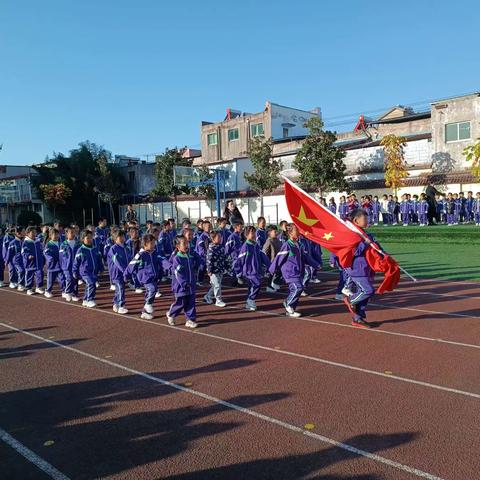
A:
{"x":455,"y":132}
{"x":233,"y":134}
{"x":285,"y":132}
{"x":212,"y":139}
{"x":131,"y":177}
{"x":257,"y":130}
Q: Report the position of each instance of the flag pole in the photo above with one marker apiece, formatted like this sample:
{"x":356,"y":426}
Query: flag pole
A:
{"x":349,"y":225}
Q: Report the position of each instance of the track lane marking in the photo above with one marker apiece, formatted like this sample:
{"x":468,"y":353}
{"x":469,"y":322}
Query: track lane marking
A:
{"x":280,"y":351}
{"x":31,"y":456}
{"x":236,"y":407}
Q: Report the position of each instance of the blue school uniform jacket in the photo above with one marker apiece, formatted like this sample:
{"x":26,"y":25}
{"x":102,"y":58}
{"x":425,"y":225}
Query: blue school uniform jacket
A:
{"x":233,"y":245}
{"x":201,"y":246}
{"x":360,"y":266}
{"x":261,"y":237}
{"x":7,"y":239}
{"x":476,"y":205}
{"x":225,"y":233}
{"x":291,"y":261}
{"x":183,"y":274}
{"x":332,"y":207}
{"x":165,"y":244}
{"x":117,"y":261}
{"x":405,"y":207}
{"x":52,"y":256}
{"x":146,"y":266}
{"x":251,"y":260}
{"x":32,"y":255}
{"x":376,"y":206}
{"x":132,"y":247}
{"x":423,"y":207}
{"x":87,"y":262}
{"x":14,"y":253}
{"x":107,"y":246}
{"x":67,"y":254}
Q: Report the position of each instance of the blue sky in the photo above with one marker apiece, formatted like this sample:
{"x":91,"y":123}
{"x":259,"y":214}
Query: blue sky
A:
{"x":140,"y":75}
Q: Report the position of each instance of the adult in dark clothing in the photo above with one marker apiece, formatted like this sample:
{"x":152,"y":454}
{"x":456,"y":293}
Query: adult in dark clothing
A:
{"x":430,"y":192}
{"x":131,"y":214}
{"x":232,"y":213}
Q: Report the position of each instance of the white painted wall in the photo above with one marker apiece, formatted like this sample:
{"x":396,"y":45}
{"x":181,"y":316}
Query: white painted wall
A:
{"x":280,"y":115}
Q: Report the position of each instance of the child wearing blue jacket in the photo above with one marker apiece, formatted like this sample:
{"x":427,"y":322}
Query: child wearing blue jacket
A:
{"x":52,"y":259}
{"x":101,"y":234}
{"x":117,"y":261}
{"x":147,"y":268}
{"x":2,"y":261}
{"x":292,"y":261}
{"x":201,"y":248}
{"x":106,"y":248}
{"x":251,"y":262}
{"x":183,"y":284}
{"x":87,"y":264}
{"x":12,"y":271}
{"x":14,"y":260}
{"x":33,"y":261}
{"x":68,"y":250}
{"x":261,"y":234}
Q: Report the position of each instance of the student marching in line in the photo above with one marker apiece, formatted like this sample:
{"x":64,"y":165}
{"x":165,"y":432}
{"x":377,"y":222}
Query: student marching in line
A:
{"x":52,"y":260}
{"x":423,"y":211}
{"x":405,"y":210}
{"x":271,"y":248}
{"x":343,"y":208}
{"x":12,"y":273}
{"x":251,"y":262}
{"x":2,"y":261}
{"x":376,"y":209}
{"x":201,"y":248}
{"x":32,"y":262}
{"x":291,"y":261}
{"x":216,"y":267}
{"x":146,"y":266}
{"x":261,"y":234}
{"x":314,"y":251}
{"x":68,"y":250}
{"x":15,"y":260}
{"x":183,"y":284}
{"x":476,"y":210}
{"x":282,"y":234}
{"x":106,"y":248}
{"x":361,"y":275}
{"x":232,"y":250}
{"x":87,"y":264}
{"x":101,"y":234}
{"x":117,"y":261}
{"x":332,"y":206}
{"x":469,"y":206}
{"x":450,"y":209}
{"x":133,"y":246}
{"x":224,"y":231}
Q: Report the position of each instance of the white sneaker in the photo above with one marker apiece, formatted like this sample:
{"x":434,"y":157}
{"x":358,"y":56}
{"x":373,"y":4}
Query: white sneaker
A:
{"x":97,"y":284}
{"x":75,"y":299}
{"x":68,"y":297}
{"x":250,"y":306}
{"x":304,"y":294}
{"x":122,"y":310}
{"x":271,"y":290}
{"x":64,"y":295}
{"x":170,"y":320}
{"x":12,"y":285}
{"x":146,"y":316}
{"x":90,"y":304}
{"x":148,"y":308}
{"x":316,"y":280}
{"x":115,"y":309}
{"x":48,"y":294}
{"x":158,"y":294}
{"x":191,"y":324}
{"x":289,"y":310}
{"x":112,"y":288}
{"x":84,"y":303}
{"x":276,"y":286}
{"x":80,"y":282}
{"x":220,"y":303}
{"x":138,"y":290}
{"x":207,"y":300}
{"x":294,"y":314}
{"x":30,"y":292}
{"x":347,"y":292}
{"x":40,"y":291}
{"x":240,"y":281}
{"x":20,"y":288}
{"x":2,"y":284}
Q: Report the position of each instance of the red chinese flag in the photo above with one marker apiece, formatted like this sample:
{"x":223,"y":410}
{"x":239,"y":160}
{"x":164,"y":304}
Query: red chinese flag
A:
{"x":320,"y":225}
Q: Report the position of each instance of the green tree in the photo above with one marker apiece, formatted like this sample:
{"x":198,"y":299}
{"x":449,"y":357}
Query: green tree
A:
{"x":265,"y":177}
{"x":395,"y":165}
{"x":164,"y":177}
{"x":319,"y":162}
{"x":472,"y":154}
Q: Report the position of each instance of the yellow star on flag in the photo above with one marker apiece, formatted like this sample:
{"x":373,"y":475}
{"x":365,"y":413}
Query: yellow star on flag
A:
{"x":302,"y":217}
{"x":327,"y":236}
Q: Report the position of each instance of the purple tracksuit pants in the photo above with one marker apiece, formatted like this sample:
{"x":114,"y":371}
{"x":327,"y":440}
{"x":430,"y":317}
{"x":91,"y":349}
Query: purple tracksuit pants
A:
{"x":295,"y":289}
{"x":55,"y":275}
{"x":90,"y":288}
{"x":360,"y":298}
{"x":119,"y":297}
{"x":30,"y":275}
{"x":254,"y":284}
{"x":185,"y":303}
{"x":71,"y":285}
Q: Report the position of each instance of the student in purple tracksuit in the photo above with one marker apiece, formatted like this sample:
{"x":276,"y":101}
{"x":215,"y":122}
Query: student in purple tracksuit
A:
{"x":450,"y":209}
{"x":282,"y":233}
{"x":343,"y":208}
{"x":476,"y":210}
{"x":414,"y":209}
{"x":12,"y":273}
{"x":469,"y":207}
{"x":232,"y":250}
{"x":2,"y":261}
{"x":106,"y":248}
{"x":332,"y":206}
{"x":183,"y":284}
{"x":201,"y":247}
{"x":456,"y":209}
{"x":15,"y":260}
{"x":376,"y":208}
{"x":463,"y":208}
{"x":52,"y":260}
{"x":87,"y":264}
{"x":101,"y":235}
{"x":292,"y":261}
{"x":33,"y":261}
{"x":148,"y":269}
{"x":68,"y":250}
{"x":423,"y":211}
{"x":261,"y":234}
{"x":312,"y":250}
{"x":133,"y":246}
{"x":250,"y":262}
{"x":405,"y":210}
{"x":224,"y":231}
{"x":391,"y":208}
{"x":361,"y":276}
{"x":117,"y":261}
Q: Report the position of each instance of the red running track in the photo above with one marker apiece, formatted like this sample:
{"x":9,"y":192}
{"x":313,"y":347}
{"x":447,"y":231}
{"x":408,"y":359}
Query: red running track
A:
{"x":124,"y":398}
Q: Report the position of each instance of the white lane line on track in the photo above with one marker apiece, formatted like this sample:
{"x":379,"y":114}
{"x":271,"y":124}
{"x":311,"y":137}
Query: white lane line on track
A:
{"x":282,"y":352}
{"x":238,"y":408}
{"x":32,"y":457}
